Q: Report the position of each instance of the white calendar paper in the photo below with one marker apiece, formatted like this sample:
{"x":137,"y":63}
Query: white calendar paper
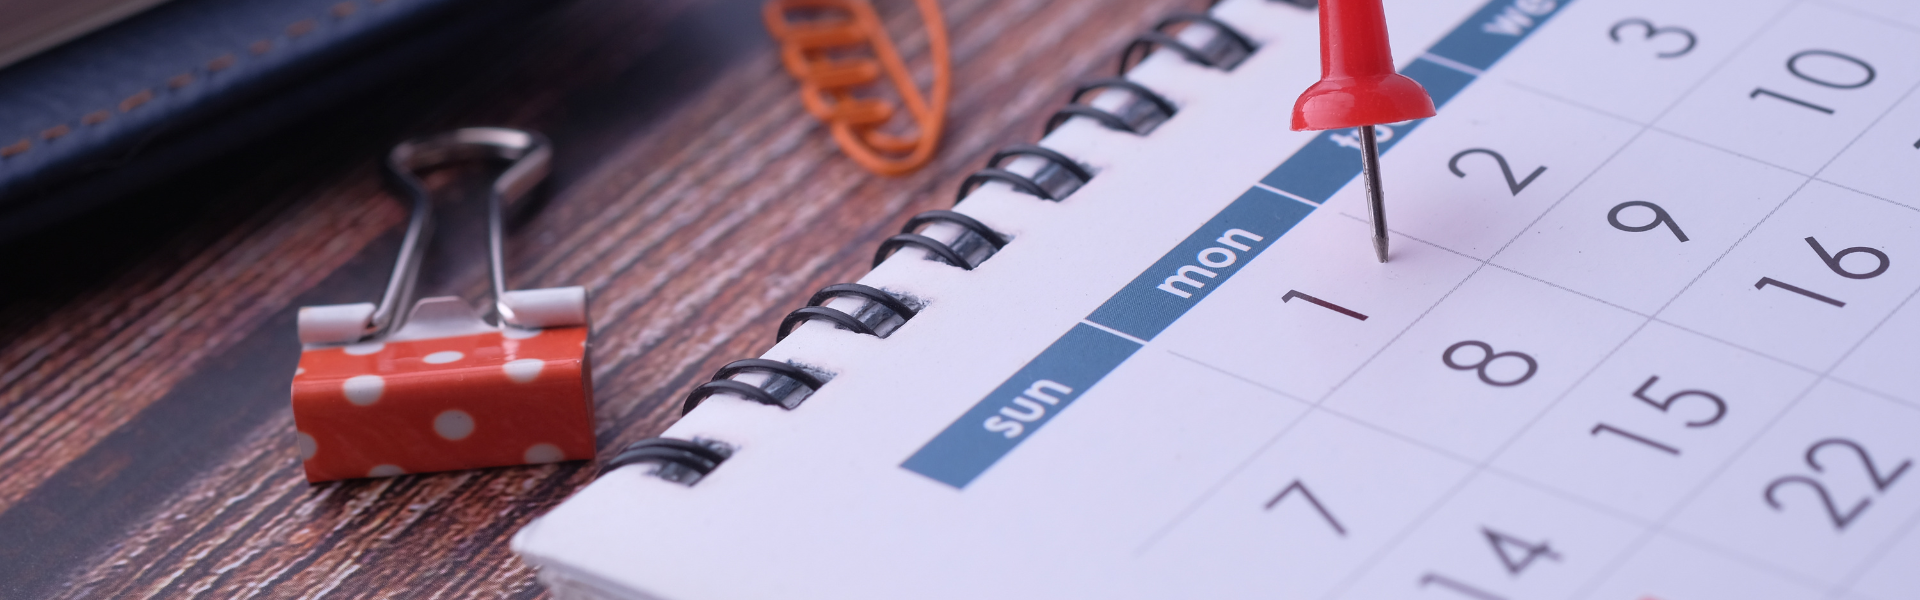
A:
{"x":1649,"y":332}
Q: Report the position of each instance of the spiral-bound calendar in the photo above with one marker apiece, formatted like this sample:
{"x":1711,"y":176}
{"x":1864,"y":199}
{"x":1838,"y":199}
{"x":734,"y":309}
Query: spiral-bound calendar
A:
{"x":1649,"y":331}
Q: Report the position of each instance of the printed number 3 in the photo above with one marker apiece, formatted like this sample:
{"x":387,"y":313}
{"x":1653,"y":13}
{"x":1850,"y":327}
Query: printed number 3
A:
{"x":1652,"y":32}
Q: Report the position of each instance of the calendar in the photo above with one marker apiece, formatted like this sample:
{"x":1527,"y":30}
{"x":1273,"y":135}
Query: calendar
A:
{"x":1649,"y":332}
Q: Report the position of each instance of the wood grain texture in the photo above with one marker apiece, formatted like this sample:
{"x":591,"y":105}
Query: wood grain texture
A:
{"x":145,"y":441}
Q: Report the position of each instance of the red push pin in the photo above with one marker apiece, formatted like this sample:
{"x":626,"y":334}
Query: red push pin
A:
{"x":1358,"y":88}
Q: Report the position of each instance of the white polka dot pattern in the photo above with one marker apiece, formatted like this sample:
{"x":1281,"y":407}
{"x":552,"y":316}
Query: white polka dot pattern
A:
{"x":467,"y":399}
{"x":364,"y":390}
{"x":543,"y":453}
{"x":515,"y":333}
{"x":385,"y":471}
{"x":524,"y":370}
{"x":453,"y":424}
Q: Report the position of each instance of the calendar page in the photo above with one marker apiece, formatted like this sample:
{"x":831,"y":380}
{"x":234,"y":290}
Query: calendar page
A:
{"x":1648,"y":332}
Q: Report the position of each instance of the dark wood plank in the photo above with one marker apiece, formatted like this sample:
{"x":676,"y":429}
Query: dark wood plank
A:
{"x":144,"y":436}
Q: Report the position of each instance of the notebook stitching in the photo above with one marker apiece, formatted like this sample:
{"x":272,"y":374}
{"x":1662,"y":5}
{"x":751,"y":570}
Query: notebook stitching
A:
{"x":295,"y":30}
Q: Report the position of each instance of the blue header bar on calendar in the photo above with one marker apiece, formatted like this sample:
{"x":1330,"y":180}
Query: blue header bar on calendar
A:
{"x":1012,"y":412}
{"x":1494,"y":30}
{"x":1196,"y":267}
{"x":1208,"y":257}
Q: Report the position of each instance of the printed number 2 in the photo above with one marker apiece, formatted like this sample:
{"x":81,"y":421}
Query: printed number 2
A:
{"x":1513,"y":185}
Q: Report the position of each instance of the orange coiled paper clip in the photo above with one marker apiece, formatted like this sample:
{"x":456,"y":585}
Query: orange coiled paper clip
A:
{"x":814,"y":50}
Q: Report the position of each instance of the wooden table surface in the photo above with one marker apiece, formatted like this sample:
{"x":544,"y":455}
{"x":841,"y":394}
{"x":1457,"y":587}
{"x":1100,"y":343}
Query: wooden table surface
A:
{"x":146,"y":446}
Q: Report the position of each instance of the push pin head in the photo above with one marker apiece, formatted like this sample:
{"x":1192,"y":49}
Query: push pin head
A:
{"x":1359,"y":88}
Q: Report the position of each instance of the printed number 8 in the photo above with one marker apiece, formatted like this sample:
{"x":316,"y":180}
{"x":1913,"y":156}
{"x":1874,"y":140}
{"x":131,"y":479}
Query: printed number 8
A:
{"x":1487,"y":357}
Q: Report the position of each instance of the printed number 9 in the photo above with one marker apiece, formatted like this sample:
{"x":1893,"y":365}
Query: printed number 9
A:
{"x":1487,"y":357}
{"x":1660,"y":217}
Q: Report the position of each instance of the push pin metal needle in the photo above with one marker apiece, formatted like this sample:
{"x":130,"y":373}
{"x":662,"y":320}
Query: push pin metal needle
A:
{"x":1359,"y":88}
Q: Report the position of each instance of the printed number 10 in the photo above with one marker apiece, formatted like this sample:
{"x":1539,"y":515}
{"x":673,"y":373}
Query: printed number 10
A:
{"x":1793,"y":66}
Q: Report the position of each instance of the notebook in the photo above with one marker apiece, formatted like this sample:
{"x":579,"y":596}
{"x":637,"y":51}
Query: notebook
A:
{"x":1648,"y":332}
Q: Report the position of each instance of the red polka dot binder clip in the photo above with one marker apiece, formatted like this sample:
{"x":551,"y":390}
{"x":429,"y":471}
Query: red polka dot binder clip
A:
{"x":397,"y":387}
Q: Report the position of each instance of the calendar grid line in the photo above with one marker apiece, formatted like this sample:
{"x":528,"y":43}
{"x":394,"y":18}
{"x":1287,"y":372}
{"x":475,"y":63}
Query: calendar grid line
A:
{"x":1756,"y":563}
{"x":1396,"y":336}
{"x":1243,"y":379}
{"x":1208,"y":494}
{"x":1485,"y":469}
{"x":1652,"y":126}
{"x":1879,"y":553}
{"x":1625,"y":554}
{"x":1847,"y":582}
{"x":1313,"y":407}
{"x":1863,"y":133}
{"x":1705,"y":144}
{"x":1656,"y":529}
{"x":1571,"y":102}
{"x":1882,"y":19}
{"x":1895,"y":203}
{"x":1448,"y":454}
{"x":1661,"y":526}
{"x":1482,"y":465}
{"x":1737,"y":50}
{"x":1563,"y":197}
{"x":1390,"y":229}
{"x":1398,"y":537}
{"x":1867,"y":390}
{"x":1255,"y":455}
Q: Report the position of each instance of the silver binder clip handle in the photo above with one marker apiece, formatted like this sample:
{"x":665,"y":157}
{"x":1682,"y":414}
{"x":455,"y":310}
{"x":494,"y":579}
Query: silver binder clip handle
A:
{"x":334,"y":323}
{"x":531,"y":155}
{"x":543,"y":308}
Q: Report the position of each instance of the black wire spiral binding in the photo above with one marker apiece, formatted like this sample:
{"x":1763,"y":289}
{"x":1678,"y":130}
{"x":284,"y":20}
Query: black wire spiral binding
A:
{"x":685,"y":461}
{"x":681,"y":461}
{"x":1136,"y":118}
{"x":775,"y":393}
{"x":814,"y":310}
{"x":951,"y":254}
{"x":1225,"y":51}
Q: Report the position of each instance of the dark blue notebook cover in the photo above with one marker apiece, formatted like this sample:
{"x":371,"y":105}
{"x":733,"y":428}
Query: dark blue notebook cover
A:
{"x":176,"y":85}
